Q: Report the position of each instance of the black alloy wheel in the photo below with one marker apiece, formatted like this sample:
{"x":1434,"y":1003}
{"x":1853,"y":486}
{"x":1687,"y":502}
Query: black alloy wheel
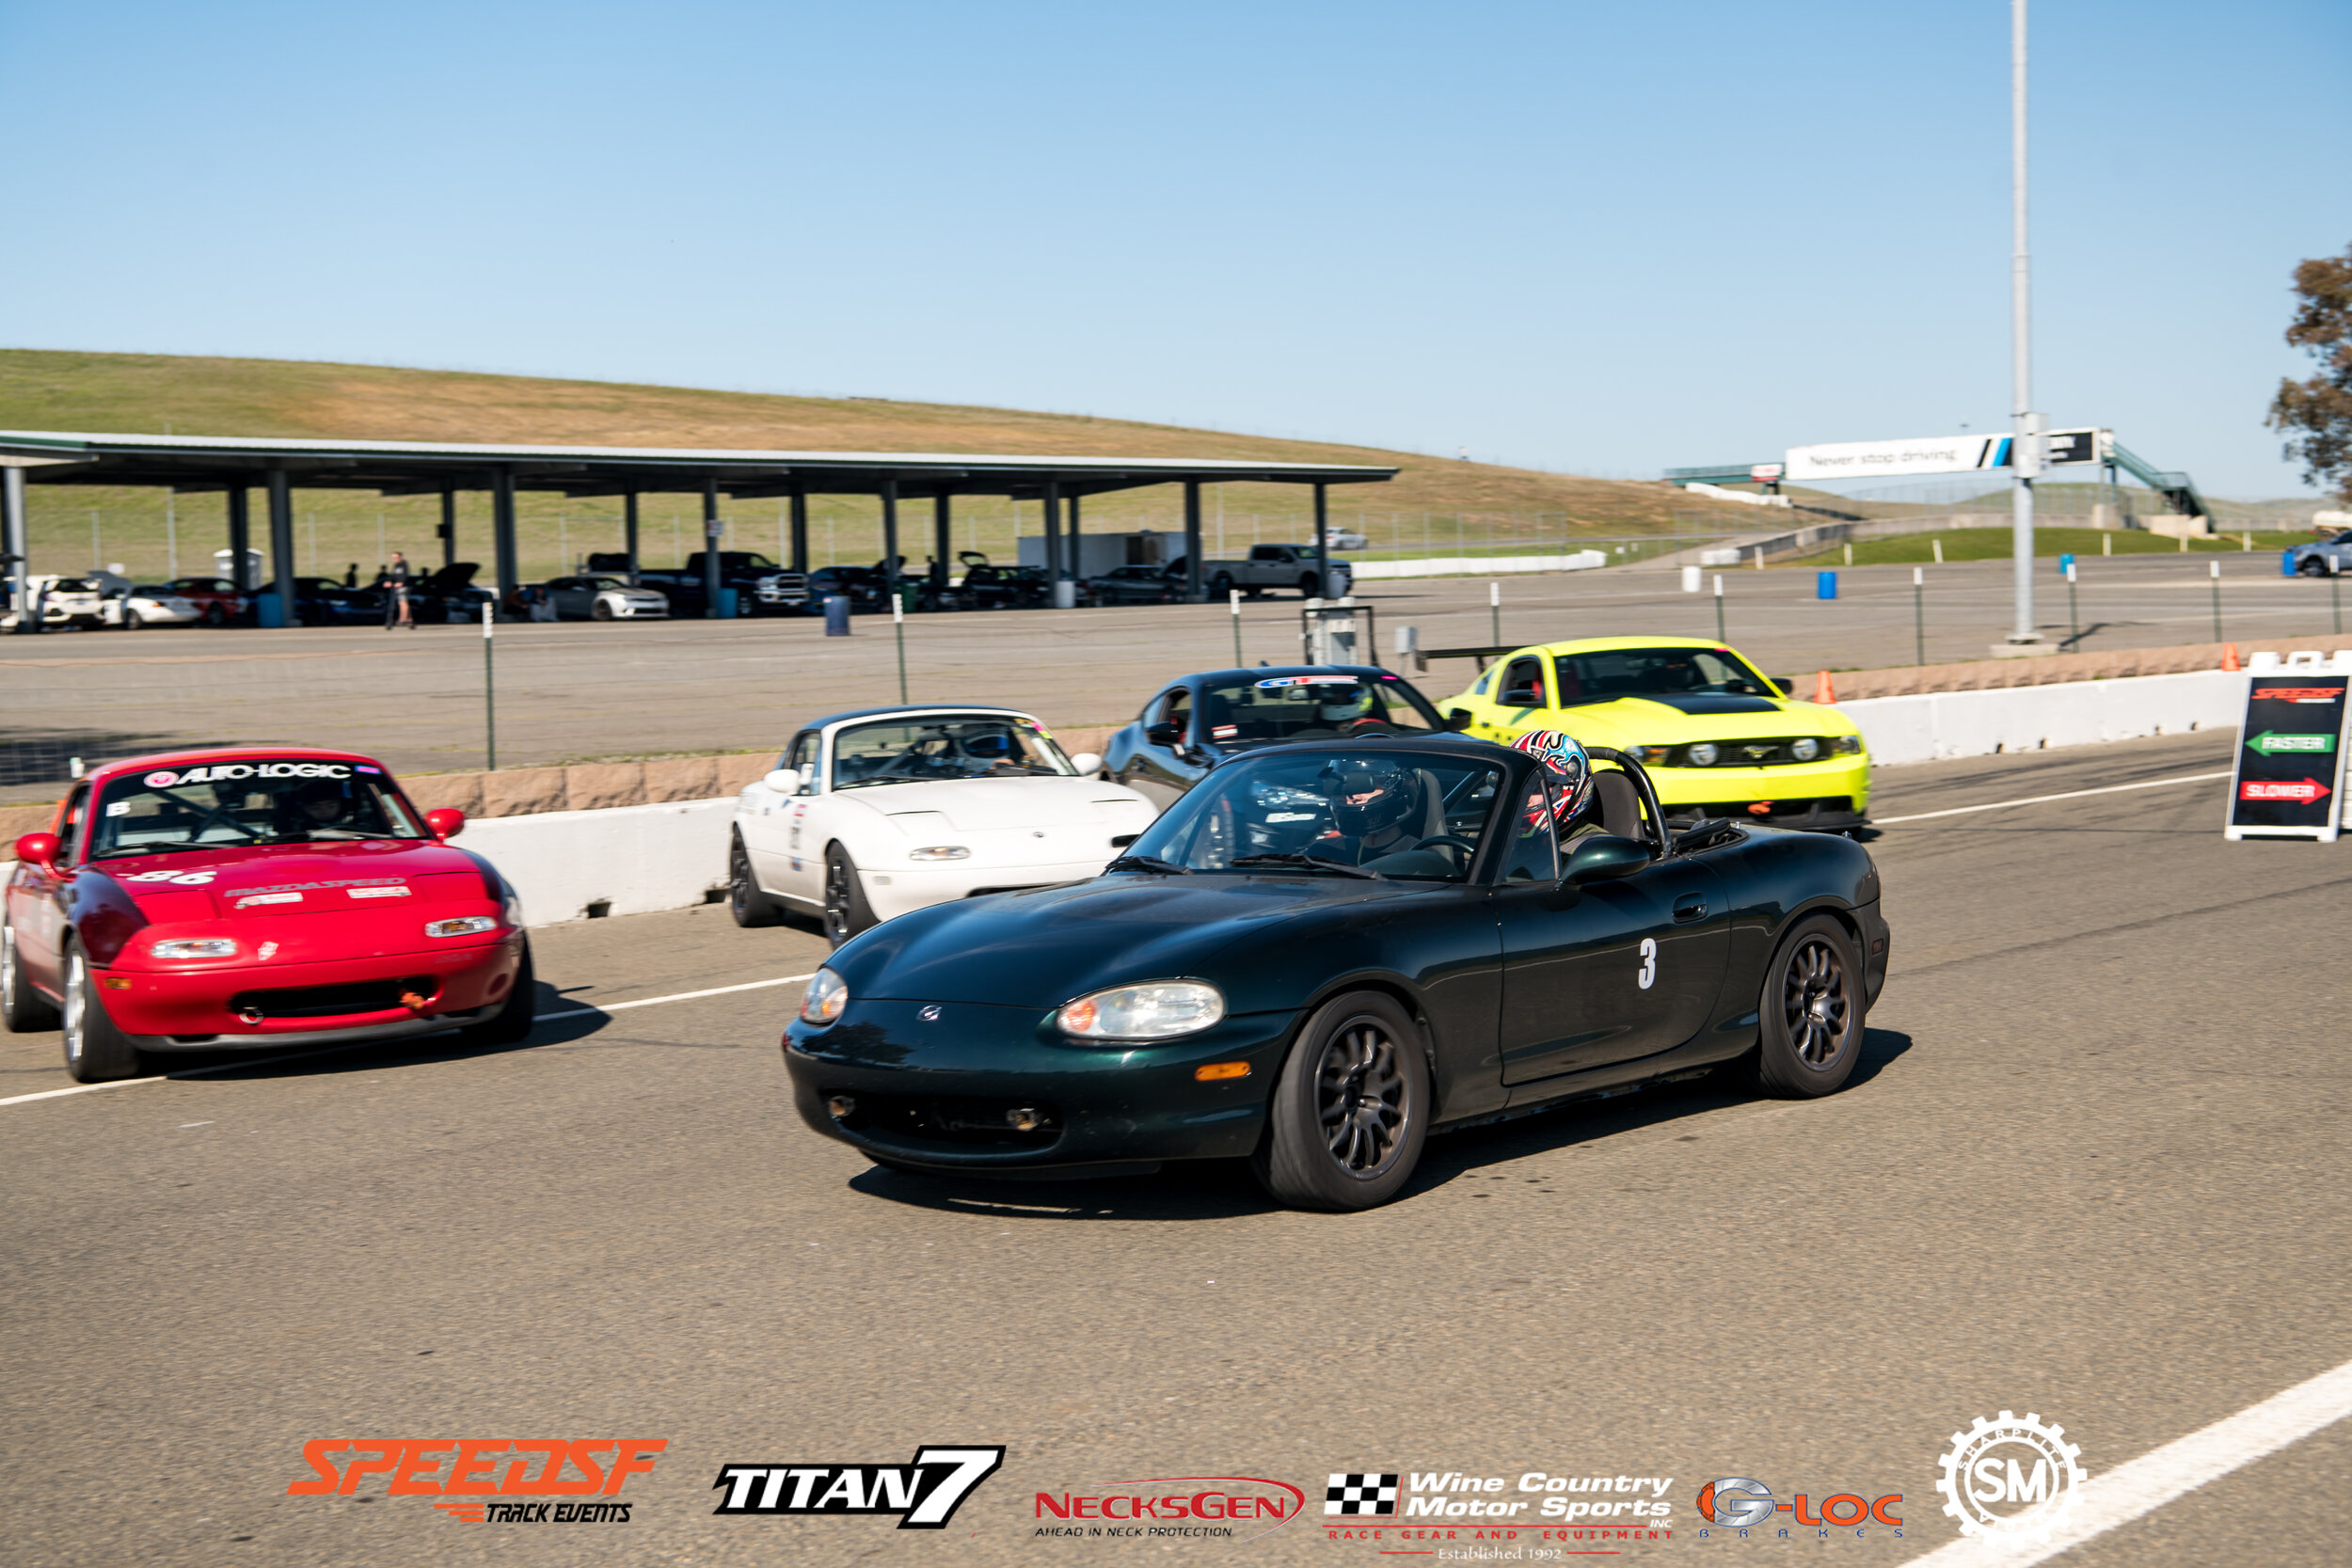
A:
{"x":131,"y":621}
{"x":214,"y":615}
{"x":846,"y":909}
{"x":602,"y":612}
{"x":1811,"y":1013}
{"x":746,"y":902}
{"x":1347,"y":1119}
{"x":2312,"y":566}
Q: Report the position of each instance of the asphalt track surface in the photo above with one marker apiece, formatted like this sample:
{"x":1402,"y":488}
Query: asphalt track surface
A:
{"x":2091,"y":1168}
{"x":577,"y":691}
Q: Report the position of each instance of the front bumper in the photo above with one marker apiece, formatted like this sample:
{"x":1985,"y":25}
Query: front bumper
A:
{"x":193,"y":1006}
{"x":1826,"y":796}
{"x":898,"y":890}
{"x":934,"y":1092}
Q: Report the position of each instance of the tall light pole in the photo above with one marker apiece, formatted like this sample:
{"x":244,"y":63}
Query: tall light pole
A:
{"x":2025,"y":443}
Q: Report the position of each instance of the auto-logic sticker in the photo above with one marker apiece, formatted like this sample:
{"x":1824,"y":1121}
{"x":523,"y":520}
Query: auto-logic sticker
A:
{"x":220,"y":771}
{"x":1307,"y":680}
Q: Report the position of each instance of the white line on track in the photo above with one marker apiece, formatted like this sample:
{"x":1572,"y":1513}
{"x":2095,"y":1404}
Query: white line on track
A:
{"x":2174,"y":1470}
{"x":331,"y":1049}
{"x":2037,"y":800}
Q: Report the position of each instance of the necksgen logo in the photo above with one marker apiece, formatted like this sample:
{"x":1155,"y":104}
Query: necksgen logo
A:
{"x":924,"y":1495}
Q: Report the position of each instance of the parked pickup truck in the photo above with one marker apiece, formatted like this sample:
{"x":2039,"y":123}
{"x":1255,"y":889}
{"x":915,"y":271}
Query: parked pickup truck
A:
{"x":1271,"y":566}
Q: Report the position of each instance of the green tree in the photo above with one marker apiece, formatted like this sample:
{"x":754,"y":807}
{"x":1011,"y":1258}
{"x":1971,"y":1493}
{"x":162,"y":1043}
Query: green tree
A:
{"x":2317,"y":414}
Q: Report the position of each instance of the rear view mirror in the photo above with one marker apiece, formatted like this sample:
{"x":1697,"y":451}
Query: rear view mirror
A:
{"x":1602,"y":857}
{"x":445,"y":823}
{"x":1086,"y":762}
{"x":783,"y":781}
{"x":1457,"y":720}
{"x":38,"y":850}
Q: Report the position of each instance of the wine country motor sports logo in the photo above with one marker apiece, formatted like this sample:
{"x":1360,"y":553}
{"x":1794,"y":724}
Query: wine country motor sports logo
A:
{"x":2009,"y":1478}
{"x":487,"y":1480}
{"x":1225,"y":1509}
{"x":923,"y":1494}
{"x":1355,"y":1493}
{"x":1737,"y":1505}
{"x":1534,"y":1509}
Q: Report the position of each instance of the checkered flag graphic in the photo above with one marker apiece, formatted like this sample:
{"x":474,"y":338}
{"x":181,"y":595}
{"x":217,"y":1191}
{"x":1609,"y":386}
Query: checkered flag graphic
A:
{"x":1360,"y":1493}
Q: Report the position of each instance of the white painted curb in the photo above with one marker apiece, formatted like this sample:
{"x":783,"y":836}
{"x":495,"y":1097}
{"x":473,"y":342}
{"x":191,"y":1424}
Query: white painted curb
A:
{"x":1943,"y":724}
{"x":1478,"y":565}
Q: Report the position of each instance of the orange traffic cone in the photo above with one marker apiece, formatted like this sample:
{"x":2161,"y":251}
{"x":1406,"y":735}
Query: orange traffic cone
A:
{"x":1822,"y":691}
{"x":2229,"y":657}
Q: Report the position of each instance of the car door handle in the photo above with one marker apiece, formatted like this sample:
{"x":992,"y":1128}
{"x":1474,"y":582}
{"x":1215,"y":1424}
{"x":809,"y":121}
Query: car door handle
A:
{"x":1690,"y":907}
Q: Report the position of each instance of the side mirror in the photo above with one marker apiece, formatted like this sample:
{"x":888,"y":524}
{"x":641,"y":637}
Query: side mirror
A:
{"x":1603,"y":857}
{"x":1164,"y":734}
{"x":39,"y":849}
{"x":445,"y":823}
{"x":1457,"y":720}
{"x":1087,"y":762}
{"x":783,"y":781}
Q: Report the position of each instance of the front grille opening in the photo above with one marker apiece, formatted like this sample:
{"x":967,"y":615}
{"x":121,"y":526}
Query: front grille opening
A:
{"x":364,"y":996}
{"x":1799,"y":810}
{"x":949,"y":1120}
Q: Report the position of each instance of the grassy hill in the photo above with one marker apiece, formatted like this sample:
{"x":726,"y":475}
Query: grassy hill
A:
{"x":1434,"y":503}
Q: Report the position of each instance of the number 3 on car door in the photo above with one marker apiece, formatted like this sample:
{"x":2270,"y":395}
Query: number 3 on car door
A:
{"x":1649,"y":962}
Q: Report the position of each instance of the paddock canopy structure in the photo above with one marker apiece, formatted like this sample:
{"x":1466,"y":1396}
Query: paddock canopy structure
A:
{"x":240,"y":465}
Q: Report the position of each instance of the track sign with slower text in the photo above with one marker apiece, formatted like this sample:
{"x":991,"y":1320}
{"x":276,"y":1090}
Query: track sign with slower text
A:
{"x":2289,"y":778}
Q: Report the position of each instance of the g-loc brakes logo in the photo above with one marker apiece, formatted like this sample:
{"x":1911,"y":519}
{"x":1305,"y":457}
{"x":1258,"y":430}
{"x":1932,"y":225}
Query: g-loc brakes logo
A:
{"x":924,"y":1495}
{"x":1742,"y":1502}
{"x":531,"y":1467}
{"x":1985,"y":1489}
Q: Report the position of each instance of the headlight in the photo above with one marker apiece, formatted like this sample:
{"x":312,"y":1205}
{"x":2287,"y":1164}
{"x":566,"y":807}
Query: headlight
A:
{"x":1704,"y":755}
{"x":1159,"y":1010}
{"x":194,"y":947}
{"x":1650,"y":757}
{"x":941,"y":852}
{"x":462,"y":926}
{"x":1845,"y":745}
{"x":828,"y":993}
{"x":1806,"y":749}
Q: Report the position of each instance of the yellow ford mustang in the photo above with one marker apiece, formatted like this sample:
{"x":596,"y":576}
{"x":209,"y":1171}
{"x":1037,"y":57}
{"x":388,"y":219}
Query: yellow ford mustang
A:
{"x":1718,"y":738}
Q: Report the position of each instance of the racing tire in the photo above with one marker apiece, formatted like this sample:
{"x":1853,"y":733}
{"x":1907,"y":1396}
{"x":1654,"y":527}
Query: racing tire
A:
{"x":602,"y":612}
{"x":1811,"y":1014}
{"x":1222,"y":584}
{"x":746,"y":902}
{"x":23,"y":1009}
{"x":95,"y":1051}
{"x":847,"y":911}
{"x":2312,"y":566}
{"x":511,"y":1024}
{"x":1307,"y":585}
{"x":215,"y":616}
{"x":1349,"y":1114}
{"x":131,"y":621}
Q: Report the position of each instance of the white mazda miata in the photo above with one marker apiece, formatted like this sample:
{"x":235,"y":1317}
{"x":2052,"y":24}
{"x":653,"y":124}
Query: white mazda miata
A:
{"x":875,"y":813}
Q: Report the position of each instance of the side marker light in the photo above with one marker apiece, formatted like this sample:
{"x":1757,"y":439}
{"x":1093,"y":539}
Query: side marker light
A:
{"x":1215,"y":1071}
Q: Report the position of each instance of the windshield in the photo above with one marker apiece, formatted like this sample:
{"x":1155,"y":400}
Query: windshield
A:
{"x":925,"y":750}
{"x":1601,"y":677}
{"x":1408,"y":816}
{"x":1312,"y":708}
{"x":214,"y":805}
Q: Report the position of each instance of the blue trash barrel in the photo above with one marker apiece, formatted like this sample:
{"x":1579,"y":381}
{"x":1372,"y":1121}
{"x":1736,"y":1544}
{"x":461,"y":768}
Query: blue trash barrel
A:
{"x":836,"y":616}
{"x":268,"y":610}
{"x":1825,"y":585}
{"x":2286,"y":564}
{"x":2066,"y":563}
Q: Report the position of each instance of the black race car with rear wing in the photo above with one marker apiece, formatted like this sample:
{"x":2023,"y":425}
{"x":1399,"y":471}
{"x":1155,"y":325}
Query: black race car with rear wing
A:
{"x":1323,"y":952}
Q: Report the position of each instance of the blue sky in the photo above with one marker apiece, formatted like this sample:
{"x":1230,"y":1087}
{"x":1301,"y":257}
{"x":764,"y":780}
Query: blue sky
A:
{"x":1604,"y":239}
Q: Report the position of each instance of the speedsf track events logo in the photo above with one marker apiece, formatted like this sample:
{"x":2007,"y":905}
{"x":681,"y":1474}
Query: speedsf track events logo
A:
{"x":488,"y":1480}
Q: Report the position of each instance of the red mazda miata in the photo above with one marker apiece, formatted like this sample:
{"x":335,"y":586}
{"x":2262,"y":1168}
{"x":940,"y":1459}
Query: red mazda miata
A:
{"x":244,"y":897}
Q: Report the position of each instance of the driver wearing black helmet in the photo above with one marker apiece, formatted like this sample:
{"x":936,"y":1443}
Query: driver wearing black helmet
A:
{"x":1375,"y":806}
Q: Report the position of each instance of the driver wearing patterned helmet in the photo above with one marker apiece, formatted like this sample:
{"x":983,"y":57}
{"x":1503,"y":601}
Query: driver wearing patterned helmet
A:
{"x":1570,"y":771}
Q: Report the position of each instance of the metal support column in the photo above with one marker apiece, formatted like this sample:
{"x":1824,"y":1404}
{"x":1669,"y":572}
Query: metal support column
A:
{"x":502,"y":533}
{"x":628,"y":526}
{"x":449,"y":524}
{"x":890,"y":536}
{"x":1069,"y":547}
{"x":281,"y":546}
{"x":1192,"y":541}
{"x":240,"y":537}
{"x":800,"y":532}
{"x":1050,"y":503}
{"x":1323,"y":544}
{"x":713,"y":531}
{"x":943,"y":539}
{"x":15,"y":543}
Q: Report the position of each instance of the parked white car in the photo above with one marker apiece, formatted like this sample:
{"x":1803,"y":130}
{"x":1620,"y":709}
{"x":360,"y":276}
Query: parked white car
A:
{"x":148,"y":604}
{"x":875,"y":813}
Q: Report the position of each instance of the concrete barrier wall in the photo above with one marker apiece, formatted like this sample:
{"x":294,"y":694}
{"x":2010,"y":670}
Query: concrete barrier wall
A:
{"x":1931,"y":726}
{"x":629,"y":859}
{"x":1477,"y":565}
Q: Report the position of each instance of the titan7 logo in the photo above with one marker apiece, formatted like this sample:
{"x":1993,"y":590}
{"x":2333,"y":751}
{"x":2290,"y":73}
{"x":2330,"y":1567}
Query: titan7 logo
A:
{"x":924,"y":1495}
